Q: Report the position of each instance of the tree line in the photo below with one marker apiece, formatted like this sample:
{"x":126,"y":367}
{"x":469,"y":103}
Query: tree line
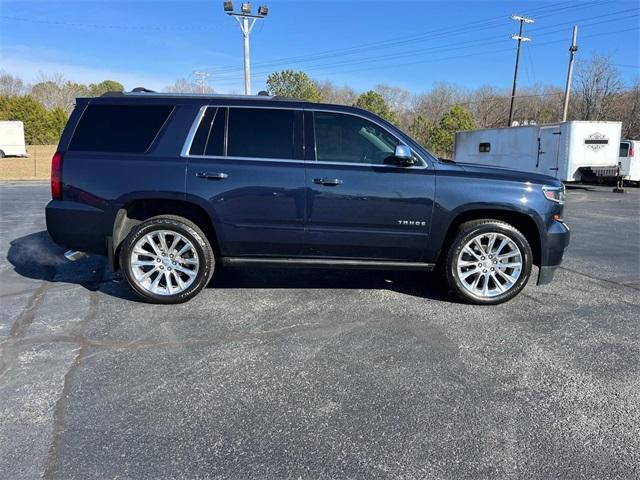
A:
{"x":431,"y":117}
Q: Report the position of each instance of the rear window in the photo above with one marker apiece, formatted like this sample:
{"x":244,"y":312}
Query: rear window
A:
{"x":209,"y":138}
{"x":624,"y":149}
{"x":260,"y":133}
{"x":119,"y":128}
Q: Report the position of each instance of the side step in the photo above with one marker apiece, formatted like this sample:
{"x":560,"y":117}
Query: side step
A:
{"x":326,"y":263}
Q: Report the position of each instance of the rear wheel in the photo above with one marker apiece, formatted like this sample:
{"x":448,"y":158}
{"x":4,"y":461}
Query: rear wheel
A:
{"x":489,"y":262}
{"x":167,"y":259}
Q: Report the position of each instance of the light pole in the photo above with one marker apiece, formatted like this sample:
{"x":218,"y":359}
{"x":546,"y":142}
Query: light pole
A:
{"x":567,"y":89}
{"x":246,"y":20}
{"x":520,"y":39}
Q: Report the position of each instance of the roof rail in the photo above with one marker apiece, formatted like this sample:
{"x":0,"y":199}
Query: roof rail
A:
{"x":142,"y":90}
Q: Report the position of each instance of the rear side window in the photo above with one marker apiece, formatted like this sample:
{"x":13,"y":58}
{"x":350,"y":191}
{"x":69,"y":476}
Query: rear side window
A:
{"x":119,"y":128}
{"x":260,"y":133}
{"x":209,"y":138}
{"x":624,"y":149}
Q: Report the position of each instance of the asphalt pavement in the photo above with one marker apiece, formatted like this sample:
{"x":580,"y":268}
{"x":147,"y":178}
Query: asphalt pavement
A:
{"x":320,"y":374}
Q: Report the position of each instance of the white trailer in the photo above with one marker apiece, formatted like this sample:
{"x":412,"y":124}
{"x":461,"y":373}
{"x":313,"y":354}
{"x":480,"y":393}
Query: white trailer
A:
{"x":565,"y":150}
{"x":630,"y":160}
{"x":12,"y":139}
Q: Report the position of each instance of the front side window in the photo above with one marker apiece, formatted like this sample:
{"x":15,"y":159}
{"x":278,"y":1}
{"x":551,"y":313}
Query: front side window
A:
{"x":119,"y":128}
{"x":624,"y":149}
{"x":260,"y":133}
{"x":351,"y":139}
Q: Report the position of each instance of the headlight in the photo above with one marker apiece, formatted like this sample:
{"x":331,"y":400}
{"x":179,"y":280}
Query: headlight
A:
{"x":555,"y":194}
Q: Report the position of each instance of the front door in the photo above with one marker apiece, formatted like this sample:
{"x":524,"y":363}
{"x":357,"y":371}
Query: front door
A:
{"x":245,"y":165}
{"x":359,"y":204}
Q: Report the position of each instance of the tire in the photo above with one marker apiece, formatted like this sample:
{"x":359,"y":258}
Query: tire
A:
{"x":1,"y":154}
{"x":188,"y":273}
{"x":462,"y":269}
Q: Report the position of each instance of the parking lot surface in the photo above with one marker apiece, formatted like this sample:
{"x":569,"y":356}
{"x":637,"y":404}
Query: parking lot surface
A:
{"x":320,"y":374}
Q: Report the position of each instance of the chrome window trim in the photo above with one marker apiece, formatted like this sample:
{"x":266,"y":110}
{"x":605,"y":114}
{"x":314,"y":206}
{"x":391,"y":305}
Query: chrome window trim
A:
{"x":196,"y":123}
{"x":307,"y":162}
{"x":192,"y":131}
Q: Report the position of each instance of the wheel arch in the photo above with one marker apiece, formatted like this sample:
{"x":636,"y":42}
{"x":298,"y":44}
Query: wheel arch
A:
{"x":137,"y":211}
{"x":524,"y":222}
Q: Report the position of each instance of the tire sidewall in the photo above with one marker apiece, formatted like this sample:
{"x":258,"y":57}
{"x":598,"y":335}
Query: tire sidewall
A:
{"x":198,"y":241}
{"x":465,"y":236}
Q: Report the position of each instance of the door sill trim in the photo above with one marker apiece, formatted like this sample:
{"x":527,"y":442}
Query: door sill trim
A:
{"x":326,"y":263}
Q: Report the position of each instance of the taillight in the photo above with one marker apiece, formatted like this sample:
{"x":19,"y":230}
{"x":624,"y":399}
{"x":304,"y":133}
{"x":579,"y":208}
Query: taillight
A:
{"x":631,"y":151}
{"x":56,"y":176}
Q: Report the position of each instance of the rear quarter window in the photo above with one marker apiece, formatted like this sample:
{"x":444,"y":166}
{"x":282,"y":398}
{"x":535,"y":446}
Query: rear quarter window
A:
{"x":119,"y":128}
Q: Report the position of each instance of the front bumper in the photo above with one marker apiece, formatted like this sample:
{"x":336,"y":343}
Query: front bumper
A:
{"x":552,"y":251}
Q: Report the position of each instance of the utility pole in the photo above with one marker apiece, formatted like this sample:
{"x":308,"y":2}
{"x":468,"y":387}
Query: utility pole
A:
{"x":246,"y":21}
{"x":201,"y":77}
{"x":520,"y":39}
{"x":567,"y":89}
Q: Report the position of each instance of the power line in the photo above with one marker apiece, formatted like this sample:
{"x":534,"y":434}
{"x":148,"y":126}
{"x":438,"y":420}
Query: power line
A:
{"x":444,"y":32}
{"x":375,"y":61}
{"x":264,"y":66}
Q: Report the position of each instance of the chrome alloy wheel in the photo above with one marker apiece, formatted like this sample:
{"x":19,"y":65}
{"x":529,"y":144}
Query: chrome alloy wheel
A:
{"x":489,"y":265}
{"x":164,"y":262}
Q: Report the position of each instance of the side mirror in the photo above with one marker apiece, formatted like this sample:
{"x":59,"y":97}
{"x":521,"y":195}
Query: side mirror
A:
{"x":403,"y":155}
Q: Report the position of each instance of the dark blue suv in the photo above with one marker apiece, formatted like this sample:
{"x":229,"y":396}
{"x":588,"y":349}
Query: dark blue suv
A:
{"x":168,"y":186}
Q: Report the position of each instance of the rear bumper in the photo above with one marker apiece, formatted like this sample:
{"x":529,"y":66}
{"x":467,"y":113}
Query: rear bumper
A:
{"x":557,"y":240}
{"x":78,"y":226}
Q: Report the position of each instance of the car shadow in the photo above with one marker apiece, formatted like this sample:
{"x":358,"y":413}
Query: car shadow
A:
{"x":35,"y":256}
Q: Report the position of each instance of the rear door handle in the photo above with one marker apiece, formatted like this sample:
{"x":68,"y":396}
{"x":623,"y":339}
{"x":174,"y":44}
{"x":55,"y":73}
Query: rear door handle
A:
{"x":328,"y":181}
{"x":212,"y":176}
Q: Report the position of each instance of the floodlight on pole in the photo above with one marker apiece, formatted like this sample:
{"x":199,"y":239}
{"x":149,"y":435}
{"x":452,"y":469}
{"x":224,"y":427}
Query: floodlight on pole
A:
{"x":246,"y":20}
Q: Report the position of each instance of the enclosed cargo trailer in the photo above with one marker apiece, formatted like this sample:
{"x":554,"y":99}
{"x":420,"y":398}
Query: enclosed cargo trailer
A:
{"x":12,"y":139}
{"x":564,"y":150}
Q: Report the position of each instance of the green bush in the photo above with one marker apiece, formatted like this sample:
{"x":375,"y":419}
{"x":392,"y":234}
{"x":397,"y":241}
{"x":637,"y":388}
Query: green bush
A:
{"x":40,"y":126}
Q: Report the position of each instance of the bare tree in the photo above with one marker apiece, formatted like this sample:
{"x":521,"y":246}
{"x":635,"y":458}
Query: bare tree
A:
{"x":627,"y":108}
{"x":10,"y":85}
{"x":182,"y":85}
{"x":331,"y":93}
{"x":598,"y":82}
{"x":55,"y":91}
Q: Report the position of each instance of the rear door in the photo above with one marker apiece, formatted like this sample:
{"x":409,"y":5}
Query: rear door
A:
{"x":245,"y":164}
{"x":359,"y":205}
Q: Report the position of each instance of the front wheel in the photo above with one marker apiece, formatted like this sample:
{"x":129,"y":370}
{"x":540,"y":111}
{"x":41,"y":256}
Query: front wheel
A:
{"x":167,"y":259}
{"x":489,"y":262}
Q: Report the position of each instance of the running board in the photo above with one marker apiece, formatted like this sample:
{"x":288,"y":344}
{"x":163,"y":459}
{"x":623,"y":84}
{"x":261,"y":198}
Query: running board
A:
{"x":325,"y":263}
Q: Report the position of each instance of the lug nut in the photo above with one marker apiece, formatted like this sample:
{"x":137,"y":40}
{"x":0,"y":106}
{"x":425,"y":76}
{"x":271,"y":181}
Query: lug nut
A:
{"x":162,"y":268}
{"x":169,"y":268}
{"x":479,"y":264}
{"x":157,"y":259}
{"x":481,"y":258}
{"x":483,"y":271}
{"x":495,"y":261}
{"x":173,"y":263}
{"x":492,"y":269}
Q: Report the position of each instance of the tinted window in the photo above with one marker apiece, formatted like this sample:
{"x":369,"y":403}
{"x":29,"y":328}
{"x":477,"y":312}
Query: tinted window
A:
{"x":260,"y":133}
{"x":209,"y":138}
{"x":351,"y":139}
{"x":119,"y":128}
{"x":624,"y":149}
{"x":484,"y":147}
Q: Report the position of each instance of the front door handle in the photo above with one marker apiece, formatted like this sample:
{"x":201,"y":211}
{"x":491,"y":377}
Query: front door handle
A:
{"x":328,"y":181}
{"x":212,"y":176}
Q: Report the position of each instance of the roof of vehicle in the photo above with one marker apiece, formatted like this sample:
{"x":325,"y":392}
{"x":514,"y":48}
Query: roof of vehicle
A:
{"x":261,"y":98}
